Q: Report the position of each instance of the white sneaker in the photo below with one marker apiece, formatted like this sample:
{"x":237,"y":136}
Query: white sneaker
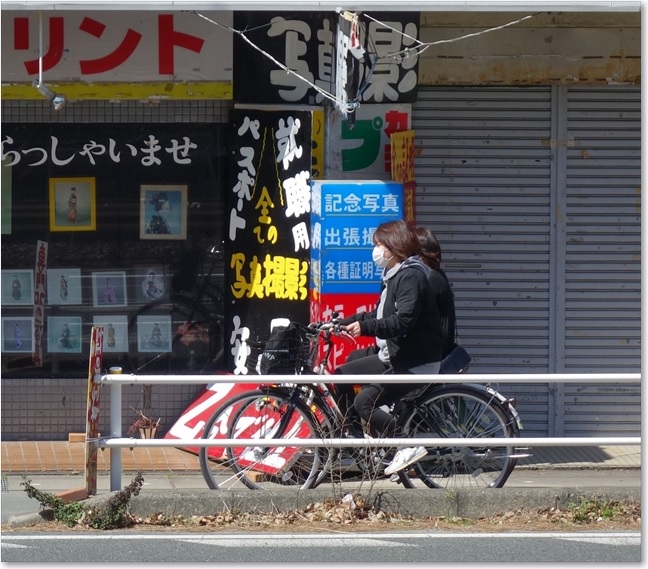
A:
{"x":405,"y":457}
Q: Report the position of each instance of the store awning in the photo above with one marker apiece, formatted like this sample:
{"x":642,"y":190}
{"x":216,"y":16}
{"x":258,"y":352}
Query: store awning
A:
{"x":332,"y":5}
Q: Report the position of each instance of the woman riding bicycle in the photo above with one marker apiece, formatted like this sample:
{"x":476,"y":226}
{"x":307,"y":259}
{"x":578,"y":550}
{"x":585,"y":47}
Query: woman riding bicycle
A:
{"x":408,"y":331}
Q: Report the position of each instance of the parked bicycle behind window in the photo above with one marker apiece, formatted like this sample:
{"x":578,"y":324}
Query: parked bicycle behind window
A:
{"x":408,"y":331}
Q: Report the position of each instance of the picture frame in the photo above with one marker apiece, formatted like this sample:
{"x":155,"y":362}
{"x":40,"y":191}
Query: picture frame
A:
{"x":64,"y":335}
{"x":73,"y":204}
{"x":17,"y":335}
{"x":115,"y":332}
{"x":64,"y":287}
{"x":163,"y":212}
{"x":109,"y":289}
{"x":150,"y":284}
{"x":154,"y":333}
{"x":17,"y":287}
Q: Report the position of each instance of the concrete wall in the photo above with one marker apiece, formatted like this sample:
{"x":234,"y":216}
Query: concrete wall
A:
{"x":549,"y":48}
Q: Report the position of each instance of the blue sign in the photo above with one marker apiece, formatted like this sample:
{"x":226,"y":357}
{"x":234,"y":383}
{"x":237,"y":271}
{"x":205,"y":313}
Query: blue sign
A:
{"x":344,"y":216}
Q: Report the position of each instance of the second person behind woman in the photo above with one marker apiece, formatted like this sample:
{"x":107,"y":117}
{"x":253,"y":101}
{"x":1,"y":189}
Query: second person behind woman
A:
{"x":430,"y":254}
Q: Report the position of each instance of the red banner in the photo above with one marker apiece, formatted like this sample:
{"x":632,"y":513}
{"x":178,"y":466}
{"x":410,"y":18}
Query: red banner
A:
{"x":92,"y":415}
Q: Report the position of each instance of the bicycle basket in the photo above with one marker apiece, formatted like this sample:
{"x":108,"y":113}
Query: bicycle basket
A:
{"x":286,"y":351}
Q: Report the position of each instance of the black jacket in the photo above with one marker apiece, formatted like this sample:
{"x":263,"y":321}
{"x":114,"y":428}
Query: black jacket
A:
{"x":410,"y":322}
{"x":445,"y":305}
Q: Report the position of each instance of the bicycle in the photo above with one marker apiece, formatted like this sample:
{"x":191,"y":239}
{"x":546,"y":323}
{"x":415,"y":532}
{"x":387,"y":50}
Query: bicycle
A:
{"x":194,"y":314}
{"x":310,"y":410}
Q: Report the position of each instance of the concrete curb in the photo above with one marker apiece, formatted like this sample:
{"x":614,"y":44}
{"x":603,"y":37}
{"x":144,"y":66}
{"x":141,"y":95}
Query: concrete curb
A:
{"x":419,"y":503}
{"x":408,"y":502}
{"x":27,"y":520}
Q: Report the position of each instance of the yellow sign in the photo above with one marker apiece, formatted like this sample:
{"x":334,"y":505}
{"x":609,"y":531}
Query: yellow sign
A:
{"x":402,"y":156}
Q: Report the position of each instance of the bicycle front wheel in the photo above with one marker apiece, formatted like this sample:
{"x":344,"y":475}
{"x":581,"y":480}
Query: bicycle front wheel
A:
{"x":268,"y":415}
{"x":171,"y":336}
{"x":460,"y":412}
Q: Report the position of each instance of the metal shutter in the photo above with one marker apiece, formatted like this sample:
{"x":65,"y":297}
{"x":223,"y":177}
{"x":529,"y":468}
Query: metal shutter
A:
{"x":602,"y":268}
{"x":483,"y":184}
{"x":534,"y":194}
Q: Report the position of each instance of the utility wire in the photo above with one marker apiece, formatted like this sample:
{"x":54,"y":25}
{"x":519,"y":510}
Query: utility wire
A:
{"x":287,"y":69}
{"x":422,"y":46}
{"x":403,"y":54}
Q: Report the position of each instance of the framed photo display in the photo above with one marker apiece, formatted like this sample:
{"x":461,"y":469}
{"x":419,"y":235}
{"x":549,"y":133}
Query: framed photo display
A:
{"x":17,"y":287}
{"x":154,"y":333}
{"x":150,"y":284}
{"x":115,"y":332}
{"x":64,"y":286}
{"x":163,"y":212}
{"x":17,"y":335}
{"x":109,"y":289}
{"x":64,"y":334}
{"x":73,"y":205}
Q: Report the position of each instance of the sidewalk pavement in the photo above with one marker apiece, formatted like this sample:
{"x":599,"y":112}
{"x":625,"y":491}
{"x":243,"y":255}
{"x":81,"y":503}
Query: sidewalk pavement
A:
{"x":173,"y":484}
{"x":63,"y":457}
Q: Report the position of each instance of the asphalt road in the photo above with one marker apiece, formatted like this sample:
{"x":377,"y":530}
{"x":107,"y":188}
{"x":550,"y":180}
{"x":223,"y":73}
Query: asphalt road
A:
{"x":392,"y":547}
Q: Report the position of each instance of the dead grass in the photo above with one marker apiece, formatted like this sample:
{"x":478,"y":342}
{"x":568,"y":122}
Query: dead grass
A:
{"x":355,"y":516}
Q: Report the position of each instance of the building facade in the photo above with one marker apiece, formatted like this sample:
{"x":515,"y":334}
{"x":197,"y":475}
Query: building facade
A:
{"x":527,"y":164}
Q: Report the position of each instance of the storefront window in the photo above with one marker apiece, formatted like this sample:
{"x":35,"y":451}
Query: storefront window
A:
{"x":131,"y":220}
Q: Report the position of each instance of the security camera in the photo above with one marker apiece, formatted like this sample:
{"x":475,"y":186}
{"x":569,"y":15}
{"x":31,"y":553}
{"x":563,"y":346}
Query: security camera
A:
{"x":58,"y":102}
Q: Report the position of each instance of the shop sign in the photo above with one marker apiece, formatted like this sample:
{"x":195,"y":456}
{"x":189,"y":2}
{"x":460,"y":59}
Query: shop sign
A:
{"x":345,"y":216}
{"x":269,"y":225}
{"x":150,"y":150}
{"x":305,"y":43}
{"x":363,"y":152}
{"x":105,"y":46}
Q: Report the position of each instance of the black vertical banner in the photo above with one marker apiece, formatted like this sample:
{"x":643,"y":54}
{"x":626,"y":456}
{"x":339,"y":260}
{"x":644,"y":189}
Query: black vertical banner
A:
{"x":269,"y":226}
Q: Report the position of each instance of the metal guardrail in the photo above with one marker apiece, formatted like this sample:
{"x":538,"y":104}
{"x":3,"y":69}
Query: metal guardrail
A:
{"x":116,"y":442}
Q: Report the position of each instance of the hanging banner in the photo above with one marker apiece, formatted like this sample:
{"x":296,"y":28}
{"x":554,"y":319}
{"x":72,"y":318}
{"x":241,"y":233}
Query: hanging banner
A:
{"x":402,"y":170}
{"x":95,"y":366}
{"x":40,"y":285}
{"x":269,"y":225}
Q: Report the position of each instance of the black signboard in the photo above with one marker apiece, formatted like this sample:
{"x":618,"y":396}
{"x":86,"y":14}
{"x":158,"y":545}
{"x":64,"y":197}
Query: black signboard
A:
{"x":269,"y":206}
{"x":305,"y":43}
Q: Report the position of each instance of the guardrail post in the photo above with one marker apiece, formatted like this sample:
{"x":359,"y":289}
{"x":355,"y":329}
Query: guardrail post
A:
{"x":115,"y":431}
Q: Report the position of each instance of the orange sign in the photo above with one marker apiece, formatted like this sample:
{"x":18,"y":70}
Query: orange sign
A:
{"x":402,"y":156}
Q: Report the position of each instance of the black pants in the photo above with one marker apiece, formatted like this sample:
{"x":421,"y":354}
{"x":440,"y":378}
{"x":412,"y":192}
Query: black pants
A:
{"x":367,"y":403}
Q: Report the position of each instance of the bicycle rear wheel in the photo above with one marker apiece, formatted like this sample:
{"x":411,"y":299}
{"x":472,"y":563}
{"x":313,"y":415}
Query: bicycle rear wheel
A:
{"x":268,"y":415}
{"x":172,"y":336}
{"x":460,"y":412}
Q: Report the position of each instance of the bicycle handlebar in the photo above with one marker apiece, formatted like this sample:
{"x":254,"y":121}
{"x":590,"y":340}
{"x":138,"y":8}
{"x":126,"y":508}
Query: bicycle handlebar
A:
{"x":332,"y":328}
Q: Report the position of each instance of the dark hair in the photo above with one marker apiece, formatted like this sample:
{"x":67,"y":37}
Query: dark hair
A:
{"x":430,"y":250}
{"x":398,"y":237}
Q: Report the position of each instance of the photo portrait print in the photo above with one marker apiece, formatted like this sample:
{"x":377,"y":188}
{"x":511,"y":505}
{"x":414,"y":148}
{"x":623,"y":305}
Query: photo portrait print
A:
{"x":17,"y":335}
{"x":64,"y":286}
{"x":17,"y":287}
{"x":163,"y":212}
{"x":109,"y":289}
{"x":72,"y":204}
{"x":64,"y":334}
{"x":115,"y":332}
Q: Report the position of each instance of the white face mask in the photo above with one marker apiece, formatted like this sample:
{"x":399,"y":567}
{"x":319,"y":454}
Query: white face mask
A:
{"x":378,"y":256}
